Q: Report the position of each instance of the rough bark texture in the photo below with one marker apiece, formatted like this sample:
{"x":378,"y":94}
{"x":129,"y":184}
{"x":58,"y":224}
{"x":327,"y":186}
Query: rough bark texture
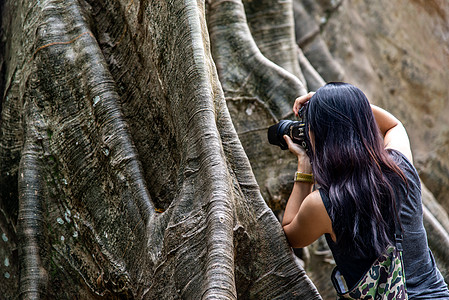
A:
{"x":122,"y":173}
{"x":258,"y":94}
{"x":132,"y":182}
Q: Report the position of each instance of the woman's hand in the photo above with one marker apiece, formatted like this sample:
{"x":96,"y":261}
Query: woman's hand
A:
{"x":303,"y":159}
{"x":299,"y":102}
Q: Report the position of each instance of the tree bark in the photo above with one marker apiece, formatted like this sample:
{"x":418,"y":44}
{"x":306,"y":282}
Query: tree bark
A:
{"x":132,"y":182}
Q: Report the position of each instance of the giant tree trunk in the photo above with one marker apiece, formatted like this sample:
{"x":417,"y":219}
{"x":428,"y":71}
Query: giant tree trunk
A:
{"x":122,"y":173}
{"x":132,"y":181}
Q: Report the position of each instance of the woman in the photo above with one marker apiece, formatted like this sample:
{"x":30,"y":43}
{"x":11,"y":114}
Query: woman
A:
{"x":362,"y":162}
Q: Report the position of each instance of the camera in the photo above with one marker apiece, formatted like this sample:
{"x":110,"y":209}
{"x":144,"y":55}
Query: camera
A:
{"x":296,"y":130}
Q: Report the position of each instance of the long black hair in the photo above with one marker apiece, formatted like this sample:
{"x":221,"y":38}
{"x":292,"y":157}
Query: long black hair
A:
{"x":351,"y":165}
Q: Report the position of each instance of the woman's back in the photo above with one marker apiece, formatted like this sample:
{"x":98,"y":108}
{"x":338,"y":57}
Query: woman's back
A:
{"x":423,"y":280}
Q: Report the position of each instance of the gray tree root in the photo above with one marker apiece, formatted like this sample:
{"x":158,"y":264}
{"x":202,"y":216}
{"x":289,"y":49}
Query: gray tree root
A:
{"x":242,"y":68}
{"x":311,"y":76}
{"x":308,"y":38}
{"x":438,"y":241}
{"x":33,"y":279}
{"x":272,"y":27}
{"x":135,"y":184}
{"x":436,"y":221}
{"x":258,"y":93}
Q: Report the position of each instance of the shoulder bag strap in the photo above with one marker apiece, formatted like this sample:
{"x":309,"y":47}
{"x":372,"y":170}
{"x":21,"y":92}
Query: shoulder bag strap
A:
{"x":398,"y":230}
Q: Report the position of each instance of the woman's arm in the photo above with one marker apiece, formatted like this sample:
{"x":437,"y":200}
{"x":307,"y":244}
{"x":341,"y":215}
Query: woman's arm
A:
{"x":309,"y":223}
{"x":395,"y":135}
{"x":305,"y":217}
{"x":300,"y":189}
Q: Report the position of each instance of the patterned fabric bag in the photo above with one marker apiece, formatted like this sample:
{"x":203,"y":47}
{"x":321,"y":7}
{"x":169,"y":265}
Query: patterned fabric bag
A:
{"x":386,"y":277}
{"x":384,"y":280}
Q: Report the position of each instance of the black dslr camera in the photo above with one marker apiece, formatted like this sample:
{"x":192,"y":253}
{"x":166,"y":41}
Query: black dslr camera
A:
{"x":296,"y":130}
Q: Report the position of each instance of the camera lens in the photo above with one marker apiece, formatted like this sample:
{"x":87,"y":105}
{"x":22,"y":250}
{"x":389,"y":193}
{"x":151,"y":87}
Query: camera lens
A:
{"x":276,"y":133}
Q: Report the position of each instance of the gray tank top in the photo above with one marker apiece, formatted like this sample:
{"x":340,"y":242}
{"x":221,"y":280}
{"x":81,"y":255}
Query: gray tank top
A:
{"x":423,"y":279}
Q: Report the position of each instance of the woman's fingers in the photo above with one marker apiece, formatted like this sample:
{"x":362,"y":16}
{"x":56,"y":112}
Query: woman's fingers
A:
{"x":290,"y":144}
{"x":288,"y":140}
{"x":293,"y":147}
{"x":299,"y":102}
